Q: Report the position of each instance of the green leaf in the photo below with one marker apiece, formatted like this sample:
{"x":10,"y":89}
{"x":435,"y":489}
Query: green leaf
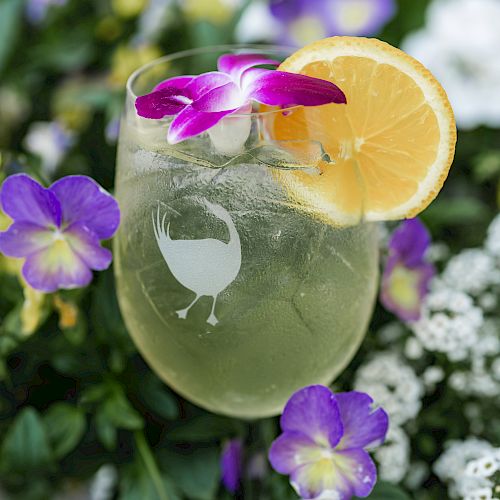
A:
{"x":205,"y":427}
{"x":195,"y":473}
{"x":158,"y":398}
{"x":387,"y":491}
{"x":121,"y":413}
{"x":456,"y":212}
{"x":26,"y":445}
{"x":10,"y":22}
{"x":65,"y":425}
{"x":105,"y":429}
{"x":136,"y":484}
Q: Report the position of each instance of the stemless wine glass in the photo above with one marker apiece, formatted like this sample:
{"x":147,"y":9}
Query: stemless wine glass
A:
{"x":233,"y":291}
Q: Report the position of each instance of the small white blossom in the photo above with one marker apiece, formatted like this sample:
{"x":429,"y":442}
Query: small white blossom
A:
{"x":50,"y":142}
{"x":104,"y":483}
{"x":433,"y":375}
{"x":413,"y":348}
{"x":393,"y":385}
{"x":492,"y":243}
{"x":450,"y":323}
{"x":393,"y":456}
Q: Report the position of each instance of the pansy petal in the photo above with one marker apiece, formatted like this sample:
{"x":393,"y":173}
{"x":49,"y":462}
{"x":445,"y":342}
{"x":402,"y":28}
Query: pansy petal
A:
{"x":231,"y":463}
{"x":55,"y":267}
{"x":156,"y":105}
{"x":291,"y":450}
{"x":24,"y":200}
{"x":313,"y":411}
{"x":410,"y":241}
{"x":317,"y":479}
{"x":403,"y":289}
{"x":83,"y":200}
{"x":86,"y":244}
{"x":205,"y":82}
{"x":223,"y":98}
{"x":190,"y":122}
{"x":279,"y":88}
{"x":24,"y":238}
{"x":236,"y":64}
{"x":363,"y":426}
{"x":356,"y":468}
{"x":177,"y":82}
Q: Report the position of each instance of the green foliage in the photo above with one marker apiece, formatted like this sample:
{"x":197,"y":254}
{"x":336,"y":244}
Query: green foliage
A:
{"x":74,"y":397}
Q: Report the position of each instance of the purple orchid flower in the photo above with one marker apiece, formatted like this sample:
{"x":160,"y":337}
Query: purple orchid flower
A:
{"x":231,"y":463}
{"x":200,"y":102}
{"x":407,"y":274}
{"x":58,"y":230}
{"x":304,"y":21}
{"x":323,"y":443}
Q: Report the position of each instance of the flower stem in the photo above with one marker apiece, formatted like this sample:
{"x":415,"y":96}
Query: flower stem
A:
{"x":150,"y":464}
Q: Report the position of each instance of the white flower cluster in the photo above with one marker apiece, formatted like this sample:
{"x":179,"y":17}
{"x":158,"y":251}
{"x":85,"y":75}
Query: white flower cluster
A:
{"x":472,"y":271}
{"x":395,"y":387}
{"x":485,"y":470}
{"x":393,"y":457}
{"x":450,"y":322}
{"x":463,"y":467}
{"x":459,"y":44}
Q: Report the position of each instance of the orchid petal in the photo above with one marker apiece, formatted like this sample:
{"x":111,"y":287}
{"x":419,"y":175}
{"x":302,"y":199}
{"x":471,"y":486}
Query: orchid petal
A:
{"x":279,"y":88}
{"x":24,"y":200}
{"x":85,"y":243}
{"x":156,"y":105}
{"x":190,"y":122}
{"x":291,"y":450}
{"x":177,"y":82}
{"x":236,"y":64}
{"x":314,"y":412}
{"x":24,"y":238}
{"x":55,"y":267}
{"x":224,"y":98}
{"x":410,"y":241}
{"x":205,"y":82}
{"x":363,"y":426}
{"x":83,"y":200}
{"x":231,"y":464}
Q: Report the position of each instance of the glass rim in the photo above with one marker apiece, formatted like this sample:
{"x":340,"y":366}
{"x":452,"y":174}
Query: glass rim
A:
{"x":206,"y":50}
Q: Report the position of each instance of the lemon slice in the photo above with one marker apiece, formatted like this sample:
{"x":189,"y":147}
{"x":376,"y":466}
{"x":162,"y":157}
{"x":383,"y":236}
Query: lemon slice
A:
{"x":390,"y":148}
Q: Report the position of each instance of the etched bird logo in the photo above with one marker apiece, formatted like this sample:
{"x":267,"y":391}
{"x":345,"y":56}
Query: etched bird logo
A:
{"x":206,"y":266}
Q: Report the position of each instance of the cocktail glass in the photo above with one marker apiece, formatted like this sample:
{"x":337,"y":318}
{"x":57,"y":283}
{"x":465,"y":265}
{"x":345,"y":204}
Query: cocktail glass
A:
{"x":236,"y":293}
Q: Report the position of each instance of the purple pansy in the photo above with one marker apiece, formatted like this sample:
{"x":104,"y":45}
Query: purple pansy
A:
{"x":200,"y":102}
{"x":407,"y":274}
{"x":231,"y":463}
{"x":304,"y":21}
{"x":58,"y":230}
{"x":323,"y":443}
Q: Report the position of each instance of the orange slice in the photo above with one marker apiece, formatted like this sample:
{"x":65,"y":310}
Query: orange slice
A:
{"x":391,"y":146}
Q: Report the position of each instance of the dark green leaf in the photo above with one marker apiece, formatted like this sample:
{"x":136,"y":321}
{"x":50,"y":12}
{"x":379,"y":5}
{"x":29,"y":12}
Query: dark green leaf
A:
{"x":195,"y":473}
{"x":205,"y":428}
{"x":10,"y":22}
{"x":388,"y":491}
{"x":65,"y":425}
{"x":158,"y":397}
{"x":459,"y":211}
{"x":26,"y":445}
{"x":136,"y":484}
{"x":106,"y":431}
{"x":121,"y":413}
